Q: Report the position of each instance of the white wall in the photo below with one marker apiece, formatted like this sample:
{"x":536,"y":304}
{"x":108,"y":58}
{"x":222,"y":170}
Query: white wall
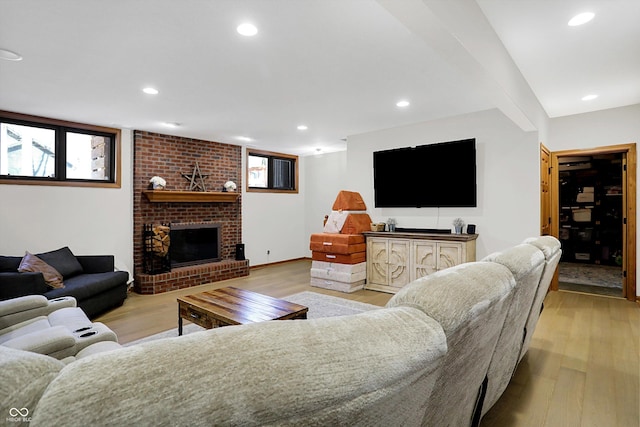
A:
{"x":97,"y":221}
{"x":274,"y":222}
{"x":507,"y":168}
{"x":91,"y":221}
{"x":599,"y":129}
{"x":326,"y":176}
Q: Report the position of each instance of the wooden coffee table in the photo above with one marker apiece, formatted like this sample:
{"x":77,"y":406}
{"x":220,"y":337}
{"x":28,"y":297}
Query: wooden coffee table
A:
{"x":234,"y":306}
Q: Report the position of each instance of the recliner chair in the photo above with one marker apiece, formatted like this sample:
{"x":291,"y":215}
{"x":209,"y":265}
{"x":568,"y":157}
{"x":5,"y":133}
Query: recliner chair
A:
{"x":56,"y":328}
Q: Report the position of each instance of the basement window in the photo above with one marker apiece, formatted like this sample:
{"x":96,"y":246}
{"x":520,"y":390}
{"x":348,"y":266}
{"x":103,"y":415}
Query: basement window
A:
{"x":272,"y":172}
{"x":37,"y":150}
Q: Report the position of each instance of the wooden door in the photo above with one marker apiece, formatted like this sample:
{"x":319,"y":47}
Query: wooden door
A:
{"x":545,"y":191}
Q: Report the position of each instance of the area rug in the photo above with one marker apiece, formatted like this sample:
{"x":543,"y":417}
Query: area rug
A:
{"x":320,"y":305}
{"x":591,"y":275}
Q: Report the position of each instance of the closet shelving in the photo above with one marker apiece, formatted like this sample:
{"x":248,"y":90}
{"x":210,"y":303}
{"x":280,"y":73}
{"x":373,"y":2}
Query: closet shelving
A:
{"x":591,"y":209}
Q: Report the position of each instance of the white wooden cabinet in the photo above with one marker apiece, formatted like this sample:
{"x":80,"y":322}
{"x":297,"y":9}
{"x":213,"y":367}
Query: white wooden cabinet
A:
{"x":395,"y":259}
{"x":388,"y":262}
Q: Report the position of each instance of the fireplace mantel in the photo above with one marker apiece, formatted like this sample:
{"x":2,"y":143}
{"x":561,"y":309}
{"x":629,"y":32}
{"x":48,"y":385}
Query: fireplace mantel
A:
{"x":160,"y":196}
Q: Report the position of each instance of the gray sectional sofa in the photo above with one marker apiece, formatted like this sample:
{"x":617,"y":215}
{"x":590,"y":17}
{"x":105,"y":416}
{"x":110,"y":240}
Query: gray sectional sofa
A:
{"x":439,"y":354}
{"x":90,"y":279}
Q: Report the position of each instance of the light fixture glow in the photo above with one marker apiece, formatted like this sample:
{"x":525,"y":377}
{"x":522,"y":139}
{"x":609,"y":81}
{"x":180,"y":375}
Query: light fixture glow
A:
{"x":402,"y":104}
{"x":580,"y":19}
{"x":150,"y":90}
{"x":244,"y":138}
{"x":171,"y":124}
{"x":589,"y":97}
{"x":302,"y":127}
{"x":10,"y":55}
{"x":247,"y":29}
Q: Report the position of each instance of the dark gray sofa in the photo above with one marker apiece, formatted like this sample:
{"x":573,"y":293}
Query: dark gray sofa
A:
{"x":90,"y":279}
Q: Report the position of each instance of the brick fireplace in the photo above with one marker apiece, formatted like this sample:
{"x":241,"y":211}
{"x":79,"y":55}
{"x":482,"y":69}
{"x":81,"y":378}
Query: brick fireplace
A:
{"x":169,"y":157}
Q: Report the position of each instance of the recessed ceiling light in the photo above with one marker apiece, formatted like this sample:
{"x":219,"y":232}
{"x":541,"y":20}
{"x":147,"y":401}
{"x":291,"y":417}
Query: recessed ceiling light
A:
{"x":247,"y":29}
{"x":10,"y":55}
{"x":171,"y":124}
{"x":150,"y":90}
{"x":244,"y":138}
{"x":580,"y":19}
{"x":589,"y":97}
{"x":302,"y":127}
{"x":402,"y":104}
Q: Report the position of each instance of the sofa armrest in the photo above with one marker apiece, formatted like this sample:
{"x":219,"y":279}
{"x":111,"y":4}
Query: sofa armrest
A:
{"x":16,"y":284}
{"x":20,"y":304}
{"x":46,"y":341}
{"x":96,"y":263}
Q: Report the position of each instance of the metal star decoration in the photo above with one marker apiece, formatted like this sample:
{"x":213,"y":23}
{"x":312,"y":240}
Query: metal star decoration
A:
{"x":196,"y":179}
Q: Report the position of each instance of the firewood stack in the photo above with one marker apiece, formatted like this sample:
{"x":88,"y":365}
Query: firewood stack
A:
{"x":160,"y":240}
{"x":339,"y":253}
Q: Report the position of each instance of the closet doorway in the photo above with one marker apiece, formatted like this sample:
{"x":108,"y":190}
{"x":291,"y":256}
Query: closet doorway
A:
{"x":593,"y":203}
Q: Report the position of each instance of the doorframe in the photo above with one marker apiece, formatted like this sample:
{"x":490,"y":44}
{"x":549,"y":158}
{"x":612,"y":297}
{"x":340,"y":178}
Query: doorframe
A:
{"x":630,"y":188}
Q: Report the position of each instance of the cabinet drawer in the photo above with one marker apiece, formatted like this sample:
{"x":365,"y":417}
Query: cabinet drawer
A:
{"x":197,"y":316}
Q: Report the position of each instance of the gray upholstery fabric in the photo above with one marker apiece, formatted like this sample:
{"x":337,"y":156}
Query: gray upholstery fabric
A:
{"x":468,"y":301}
{"x":550,"y":247}
{"x":17,"y":310}
{"x":63,"y":333}
{"x":23,"y":378}
{"x":526,"y":263}
{"x":373,"y":368}
{"x":421,"y":361}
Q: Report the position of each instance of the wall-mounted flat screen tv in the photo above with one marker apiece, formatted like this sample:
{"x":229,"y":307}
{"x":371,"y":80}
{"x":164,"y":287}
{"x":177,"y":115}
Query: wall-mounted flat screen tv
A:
{"x":432,"y":175}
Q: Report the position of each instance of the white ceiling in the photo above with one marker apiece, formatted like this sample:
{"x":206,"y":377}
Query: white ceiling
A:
{"x":337,"y":66}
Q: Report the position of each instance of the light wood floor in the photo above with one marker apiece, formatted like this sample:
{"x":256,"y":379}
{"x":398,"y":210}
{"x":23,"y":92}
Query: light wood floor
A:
{"x":582,"y":368}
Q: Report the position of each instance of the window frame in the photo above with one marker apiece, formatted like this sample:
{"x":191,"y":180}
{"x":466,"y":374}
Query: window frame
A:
{"x":66,"y":126}
{"x":272,"y":155}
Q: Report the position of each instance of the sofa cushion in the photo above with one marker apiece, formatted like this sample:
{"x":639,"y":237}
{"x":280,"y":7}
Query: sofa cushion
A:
{"x":32,"y":264}
{"x":62,"y":260}
{"x":373,"y":368}
{"x":9,"y":263}
{"x":85,"y":286}
{"x":25,"y":376}
{"x":469,"y":302}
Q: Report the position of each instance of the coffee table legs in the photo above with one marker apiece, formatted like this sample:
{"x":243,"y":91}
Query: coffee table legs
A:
{"x":179,"y":323}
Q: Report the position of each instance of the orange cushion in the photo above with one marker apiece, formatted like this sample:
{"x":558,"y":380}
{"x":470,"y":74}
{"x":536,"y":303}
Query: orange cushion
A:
{"x":355,"y":258}
{"x":356,"y":223}
{"x":337,"y":248}
{"x":33,"y":264}
{"x":343,"y":239}
{"x":349,"y":201}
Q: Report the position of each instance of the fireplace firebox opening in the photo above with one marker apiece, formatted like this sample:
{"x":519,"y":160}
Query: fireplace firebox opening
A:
{"x":193,"y":244}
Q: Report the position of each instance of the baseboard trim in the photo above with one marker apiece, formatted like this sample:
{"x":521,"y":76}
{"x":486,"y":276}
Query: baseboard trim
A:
{"x":277,"y":262}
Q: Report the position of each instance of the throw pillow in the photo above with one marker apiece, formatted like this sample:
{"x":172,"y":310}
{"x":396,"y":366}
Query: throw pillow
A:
{"x":64,"y":261}
{"x":33,"y":264}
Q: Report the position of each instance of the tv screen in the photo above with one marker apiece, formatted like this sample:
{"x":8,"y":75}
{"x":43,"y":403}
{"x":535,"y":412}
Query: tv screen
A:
{"x":432,"y":175}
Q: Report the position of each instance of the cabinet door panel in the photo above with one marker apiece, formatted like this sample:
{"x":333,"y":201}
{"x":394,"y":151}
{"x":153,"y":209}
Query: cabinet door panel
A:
{"x":424,"y":259}
{"x":378,"y":267}
{"x":399,"y":274}
{"x":449,"y":255}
